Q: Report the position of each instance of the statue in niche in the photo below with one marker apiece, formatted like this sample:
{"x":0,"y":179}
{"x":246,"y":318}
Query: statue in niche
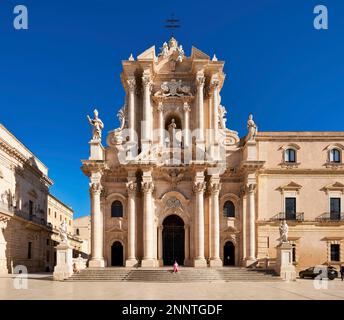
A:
{"x":172,"y":131}
{"x":97,"y":125}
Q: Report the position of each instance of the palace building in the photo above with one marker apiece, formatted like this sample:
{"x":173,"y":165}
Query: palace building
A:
{"x":30,"y":216}
{"x":174,"y":183}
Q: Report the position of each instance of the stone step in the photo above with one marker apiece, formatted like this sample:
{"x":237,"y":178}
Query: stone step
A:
{"x":166,"y":275}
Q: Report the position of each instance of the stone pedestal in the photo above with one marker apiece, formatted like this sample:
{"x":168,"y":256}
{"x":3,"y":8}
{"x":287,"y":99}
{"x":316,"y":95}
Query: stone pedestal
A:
{"x":96,"y":263}
{"x":64,"y":264}
{"x":215,"y":263}
{"x":96,"y":150}
{"x":284,"y":262}
{"x":200,"y":263}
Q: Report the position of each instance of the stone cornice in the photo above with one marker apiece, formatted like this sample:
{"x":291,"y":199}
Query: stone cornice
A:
{"x":13,"y":152}
{"x":301,"y":171}
{"x":91,"y":166}
{"x":300,"y":136}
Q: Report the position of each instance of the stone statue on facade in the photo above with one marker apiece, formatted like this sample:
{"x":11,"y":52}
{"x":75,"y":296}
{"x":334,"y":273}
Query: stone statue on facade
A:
{"x":252,"y":128}
{"x":222,"y":117}
{"x":63,"y":232}
{"x":180,"y":51}
{"x":172,"y":131}
{"x":97,"y":125}
{"x":3,"y":225}
{"x":283,"y":229}
{"x":164,"y":50}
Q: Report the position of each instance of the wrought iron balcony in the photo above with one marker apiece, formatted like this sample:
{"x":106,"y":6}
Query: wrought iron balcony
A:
{"x":289,"y":216}
{"x":330,"y":216}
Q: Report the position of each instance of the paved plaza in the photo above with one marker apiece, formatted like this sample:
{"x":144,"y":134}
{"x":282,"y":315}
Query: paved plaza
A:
{"x":41,"y":287}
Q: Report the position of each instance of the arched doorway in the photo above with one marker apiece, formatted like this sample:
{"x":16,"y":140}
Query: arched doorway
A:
{"x":229,"y":254}
{"x":117,"y":254}
{"x":173,"y":240}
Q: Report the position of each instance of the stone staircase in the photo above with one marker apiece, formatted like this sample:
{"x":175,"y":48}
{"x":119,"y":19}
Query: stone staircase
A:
{"x":166,"y":275}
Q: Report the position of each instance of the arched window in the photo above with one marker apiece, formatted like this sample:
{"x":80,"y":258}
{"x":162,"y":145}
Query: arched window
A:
{"x":335,"y":156}
{"x":229,"y":209}
{"x":116,"y":209}
{"x":290,"y":155}
{"x":77,"y":232}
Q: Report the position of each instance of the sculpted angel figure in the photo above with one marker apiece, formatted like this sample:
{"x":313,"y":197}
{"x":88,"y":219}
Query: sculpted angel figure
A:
{"x":283,"y":229}
{"x":97,"y":125}
{"x":121,"y":118}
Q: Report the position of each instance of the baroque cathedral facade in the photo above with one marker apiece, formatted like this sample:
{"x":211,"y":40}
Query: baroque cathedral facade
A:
{"x":174,"y":183}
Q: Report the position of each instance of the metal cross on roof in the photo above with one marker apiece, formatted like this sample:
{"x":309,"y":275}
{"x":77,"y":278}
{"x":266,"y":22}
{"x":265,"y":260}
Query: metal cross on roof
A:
{"x":172,"y":23}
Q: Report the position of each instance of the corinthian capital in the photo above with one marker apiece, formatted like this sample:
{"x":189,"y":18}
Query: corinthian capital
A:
{"x":147,"y":186}
{"x":95,"y":188}
{"x":131,"y":84}
{"x":146,"y":79}
{"x":199,"y":187}
{"x":186,"y":107}
{"x":252,"y":188}
{"x":200,"y":79}
{"x":215,"y":82}
{"x":214,"y":187}
{"x":131,"y":187}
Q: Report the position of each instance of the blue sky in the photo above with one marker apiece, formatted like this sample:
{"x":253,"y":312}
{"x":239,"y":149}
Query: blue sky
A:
{"x":289,"y":75}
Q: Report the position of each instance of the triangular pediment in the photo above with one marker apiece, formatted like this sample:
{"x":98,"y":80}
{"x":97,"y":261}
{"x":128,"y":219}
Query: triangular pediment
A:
{"x":335,"y":186}
{"x":198,"y":54}
{"x":149,"y":54}
{"x":290,"y":186}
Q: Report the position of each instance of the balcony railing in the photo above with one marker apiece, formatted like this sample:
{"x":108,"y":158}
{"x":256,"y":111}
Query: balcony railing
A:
{"x":330,"y":216}
{"x":4,"y":207}
{"x":289,"y":216}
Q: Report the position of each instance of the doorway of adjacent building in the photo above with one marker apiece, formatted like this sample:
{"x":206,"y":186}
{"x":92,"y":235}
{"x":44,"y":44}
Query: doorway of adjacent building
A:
{"x":173,"y":240}
{"x":229,"y":254}
{"x":117,"y":254}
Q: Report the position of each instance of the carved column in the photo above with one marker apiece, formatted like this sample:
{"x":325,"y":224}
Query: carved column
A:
{"x":215,"y":186}
{"x":3,"y":244}
{"x":186,"y":109}
{"x":97,"y":259}
{"x":160,"y":110}
{"x":131,"y":188}
{"x":244,"y":226}
{"x":200,"y":143}
{"x":146,"y":127}
{"x":200,"y":79}
{"x":215,"y":116}
{"x":187,"y":244}
{"x":148,"y":222}
{"x":131,"y":108}
{"x":252,"y":223}
{"x":160,"y":248}
{"x":199,"y":187}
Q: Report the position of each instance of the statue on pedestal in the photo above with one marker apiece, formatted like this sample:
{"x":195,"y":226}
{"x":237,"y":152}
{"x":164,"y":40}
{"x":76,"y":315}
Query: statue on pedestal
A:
{"x":283,"y":229}
{"x":97,"y":124}
{"x":252,"y":128}
{"x":63,"y":232}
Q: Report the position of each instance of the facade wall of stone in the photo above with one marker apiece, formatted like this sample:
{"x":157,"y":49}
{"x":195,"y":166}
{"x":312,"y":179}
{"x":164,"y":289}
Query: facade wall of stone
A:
{"x":251,"y":172}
